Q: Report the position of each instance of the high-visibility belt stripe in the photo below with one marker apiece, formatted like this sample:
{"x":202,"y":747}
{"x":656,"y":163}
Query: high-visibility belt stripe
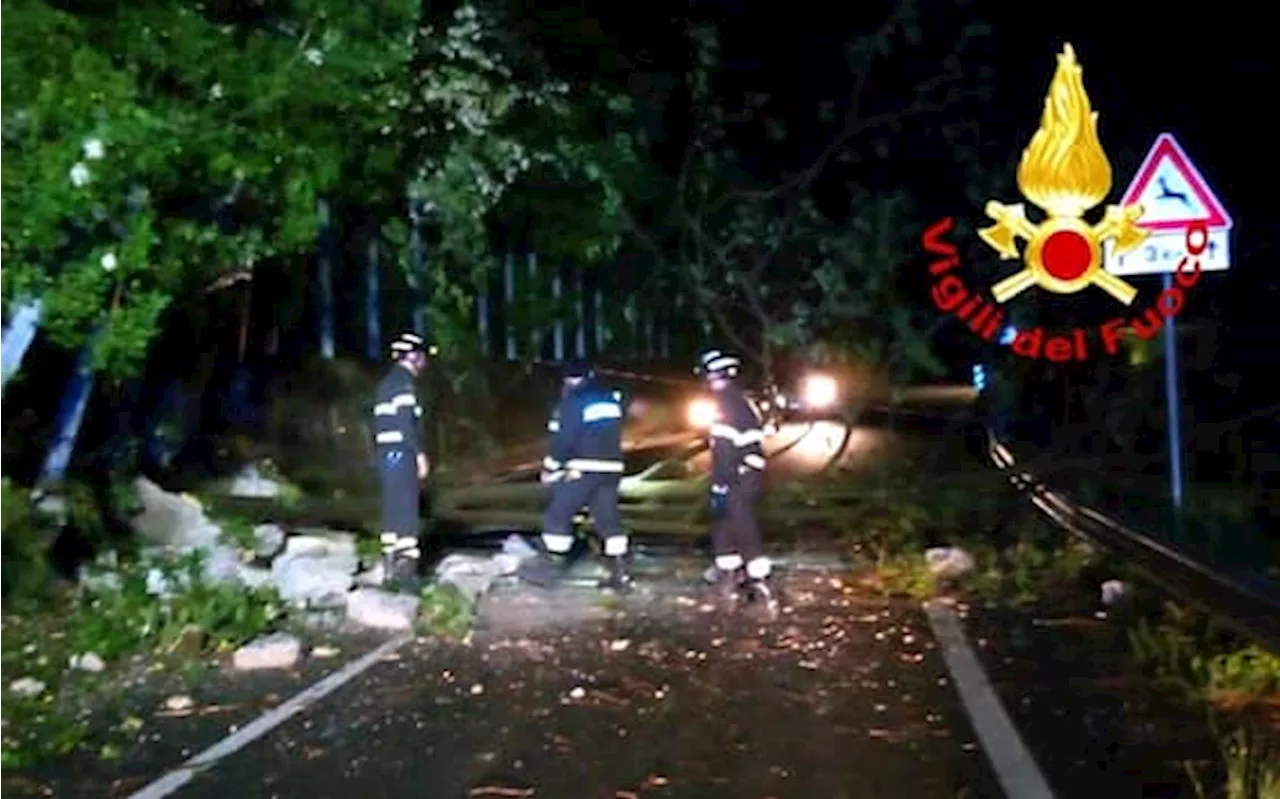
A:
{"x":392,"y":406}
{"x":721,"y":430}
{"x":600,"y":411}
{"x":739,"y":438}
{"x":551,"y":464}
{"x":557,"y":543}
{"x":593,"y":465}
{"x":723,"y":362}
{"x":389,"y":437}
{"x":401,"y":544}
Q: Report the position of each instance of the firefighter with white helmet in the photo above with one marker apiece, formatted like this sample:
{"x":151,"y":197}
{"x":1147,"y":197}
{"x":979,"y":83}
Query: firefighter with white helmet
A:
{"x":737,"y":477}
{"x":584,"y":468}
{"x":401,"y":457}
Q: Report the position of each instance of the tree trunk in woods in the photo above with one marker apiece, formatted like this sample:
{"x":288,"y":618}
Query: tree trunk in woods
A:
{"x":325,"y":280}
{"x":18,"y":335}
{"x":373,"y":298}
{"x":70,"y":417}
{"x":246,"y":313}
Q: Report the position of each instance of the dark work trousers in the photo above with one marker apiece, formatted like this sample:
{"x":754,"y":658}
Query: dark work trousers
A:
{"x":738,"y":531}
{"x":398,"y":476}
{"x":598,"y":492}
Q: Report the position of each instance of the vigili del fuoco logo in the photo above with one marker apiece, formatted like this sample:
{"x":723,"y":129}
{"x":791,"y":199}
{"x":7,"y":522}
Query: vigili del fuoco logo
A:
{"x":1064,"y":172}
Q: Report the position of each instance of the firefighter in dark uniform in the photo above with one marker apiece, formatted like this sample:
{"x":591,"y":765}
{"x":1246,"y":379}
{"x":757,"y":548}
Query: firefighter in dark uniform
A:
{"x":737,"y":477}
{"x":401,"y":458}
{"x":583,"y":468}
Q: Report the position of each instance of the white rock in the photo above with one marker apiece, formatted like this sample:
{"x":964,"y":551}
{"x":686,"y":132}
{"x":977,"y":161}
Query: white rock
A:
{"x":948,"y":562}
{"x":517,"y":546}
{"x":469,"y":574}
{"x":55,"y":507}
{"x":1114,"y":592}
{"x":221,"y":564}
{"x":27,"y":686}
{"x":505,"y":563}
{"x":380,"y":610}
{"x":250,"y":483}
{"x":179,"y":702}
{"x":269,"y":540}
{"x":321,"y":543}
{"x":319,"y":580}
{"x":157,"y":583}
{"x":89,"y":661}
{"x":275,"y":651}
{"x":254,"y":576}
{"x":99,"y":581}
{"x":169,"y":520}
{"x":372,"y":577}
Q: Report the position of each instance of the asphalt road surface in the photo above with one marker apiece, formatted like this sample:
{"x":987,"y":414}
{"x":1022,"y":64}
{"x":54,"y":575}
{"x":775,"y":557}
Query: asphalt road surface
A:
{"x":574,"y":694}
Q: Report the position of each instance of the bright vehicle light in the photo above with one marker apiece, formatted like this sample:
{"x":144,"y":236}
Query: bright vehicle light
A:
{"x":702,"y":412}
{"x":820,"y":391}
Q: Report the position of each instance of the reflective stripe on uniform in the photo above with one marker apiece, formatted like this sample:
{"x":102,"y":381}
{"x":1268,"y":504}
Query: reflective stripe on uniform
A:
{"x":728,"y":563}
{"x":553,"y":426}
{"x":557,"y":543}
{"x":551,"y":464}
{"x":600,"y":411}
{"x":754,"y":461}
{"x":722,"y":362}
{"x":389,"y":437}
{"x":739,"y":438}
{"x":393,"y":406}
{"x":393,"y":544}
{"x":615,"y":546}
{"x":759,"y":568}
{"x":593,"y":465}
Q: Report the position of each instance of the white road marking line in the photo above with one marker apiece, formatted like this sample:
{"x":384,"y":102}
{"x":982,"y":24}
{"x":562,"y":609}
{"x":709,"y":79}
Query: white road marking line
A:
{"x":171,"y":782}
{"x":1015,"y":768}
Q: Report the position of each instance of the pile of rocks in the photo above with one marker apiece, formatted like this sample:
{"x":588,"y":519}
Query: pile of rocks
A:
{"x":317,"y":571}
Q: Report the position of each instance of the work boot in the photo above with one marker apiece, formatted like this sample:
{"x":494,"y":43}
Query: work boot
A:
{"x":545,"y":571}
{"x":400,"y":574}
{"x":619,"y":577}
{"x":763,"y":595}
{"x":724,"y":587}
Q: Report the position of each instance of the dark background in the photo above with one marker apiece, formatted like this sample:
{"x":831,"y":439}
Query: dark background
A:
{"x":1206,"y":74}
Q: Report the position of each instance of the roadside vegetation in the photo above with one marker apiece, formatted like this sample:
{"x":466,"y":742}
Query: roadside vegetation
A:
{"x":1021,"y":560}
{"x":69,"y":647}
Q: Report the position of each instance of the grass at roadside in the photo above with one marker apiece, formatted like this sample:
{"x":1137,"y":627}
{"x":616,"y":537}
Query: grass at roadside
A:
{"x":1021,"y":560}
{"x":78,"y":646}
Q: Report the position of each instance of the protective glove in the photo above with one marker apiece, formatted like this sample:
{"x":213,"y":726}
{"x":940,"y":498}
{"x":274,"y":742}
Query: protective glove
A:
{"x":718,"y":501}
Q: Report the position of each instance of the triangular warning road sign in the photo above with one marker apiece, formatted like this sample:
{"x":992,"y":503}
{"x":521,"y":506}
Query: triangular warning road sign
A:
{"x":1171,"y":191}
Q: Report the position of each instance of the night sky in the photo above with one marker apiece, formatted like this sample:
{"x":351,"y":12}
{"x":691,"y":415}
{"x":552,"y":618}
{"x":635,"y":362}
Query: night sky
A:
{"x":1207,"y":76}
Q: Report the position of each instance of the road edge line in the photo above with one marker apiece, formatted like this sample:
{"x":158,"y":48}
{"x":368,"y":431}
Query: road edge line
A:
{"x":1016,"y":769}
{"x":180,"y":776}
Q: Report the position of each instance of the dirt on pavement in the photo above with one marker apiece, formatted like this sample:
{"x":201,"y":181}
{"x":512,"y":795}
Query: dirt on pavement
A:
{"x":576,"y":694}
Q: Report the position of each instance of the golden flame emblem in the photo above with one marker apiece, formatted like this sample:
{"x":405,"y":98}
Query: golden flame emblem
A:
{"x":1065,"y":172}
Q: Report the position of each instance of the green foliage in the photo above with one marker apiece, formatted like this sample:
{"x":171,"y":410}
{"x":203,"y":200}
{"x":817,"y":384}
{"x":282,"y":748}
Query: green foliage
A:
{"x":757,"y":253}
{"x":25,"y":544}
{"x":237,"y":532}
{"x":114,"y":615}
{"x":445,"y":611}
